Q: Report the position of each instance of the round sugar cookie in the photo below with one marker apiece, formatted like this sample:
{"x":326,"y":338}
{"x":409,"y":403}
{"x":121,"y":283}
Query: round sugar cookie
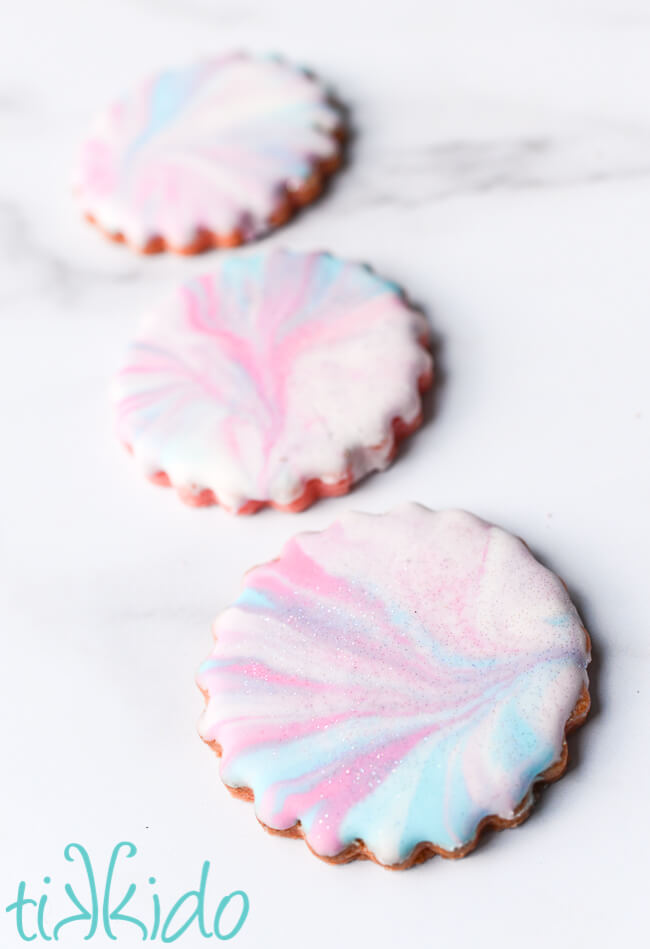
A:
{"x":273,"y":380}
{"x":214,"y":154}
{"x":392,"y":685}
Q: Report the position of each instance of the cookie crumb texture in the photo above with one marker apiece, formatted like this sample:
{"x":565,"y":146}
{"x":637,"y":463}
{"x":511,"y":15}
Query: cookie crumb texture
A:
{"x":276,"y":379}
{"x":392,"y":685}
{"x":211,"y":155}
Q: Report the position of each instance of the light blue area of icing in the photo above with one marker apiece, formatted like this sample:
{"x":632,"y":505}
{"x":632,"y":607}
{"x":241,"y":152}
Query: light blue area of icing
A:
{"x":409,"y":805}
{"x":216,"y":662}
{"x":168,"y":98}
{"x":270,"y":766}
{"x":422,"y":638}
{"x":252,"y":599}
{"x":241,"y":279}
{"x":516,"y":742}
{"x":441,"y":809}
{"x":436,"y":805}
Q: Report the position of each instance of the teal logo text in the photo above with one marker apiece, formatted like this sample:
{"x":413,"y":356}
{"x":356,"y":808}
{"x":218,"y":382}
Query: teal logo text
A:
{"x":122,"y":909}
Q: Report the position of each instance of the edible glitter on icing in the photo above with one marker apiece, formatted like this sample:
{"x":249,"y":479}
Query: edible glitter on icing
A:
{"x":394,"y":679}
{"x":209,"y":147}
{"x":272,"y":371}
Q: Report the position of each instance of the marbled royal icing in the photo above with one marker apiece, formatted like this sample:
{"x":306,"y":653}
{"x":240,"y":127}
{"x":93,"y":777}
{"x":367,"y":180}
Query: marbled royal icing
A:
{"x":395,"y":679}
{"x":212,"y":147}
{"x":272,"y":371}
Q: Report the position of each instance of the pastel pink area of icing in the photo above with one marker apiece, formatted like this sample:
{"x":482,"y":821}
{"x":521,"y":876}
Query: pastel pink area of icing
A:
{"x":273,"y":379}
{"x":212,"y":147}
{"x":394,"y":679}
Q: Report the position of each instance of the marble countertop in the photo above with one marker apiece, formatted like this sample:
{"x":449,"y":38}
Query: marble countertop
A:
{"x":499,"y":170}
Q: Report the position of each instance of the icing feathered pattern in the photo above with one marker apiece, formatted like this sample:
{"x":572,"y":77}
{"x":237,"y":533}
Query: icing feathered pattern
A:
{"x":272,"y":371}
{"x":210,"y":148}
{"x":394,"y":679}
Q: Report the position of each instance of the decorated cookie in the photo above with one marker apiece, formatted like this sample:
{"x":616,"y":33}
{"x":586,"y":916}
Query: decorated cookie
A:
{"x":274,"y":379}
{"x":392,"y":685}
{"x":211,"y":155}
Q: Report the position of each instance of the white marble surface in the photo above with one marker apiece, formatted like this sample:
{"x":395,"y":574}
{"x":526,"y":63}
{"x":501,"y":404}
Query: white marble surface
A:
{"x":501,"y":172}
